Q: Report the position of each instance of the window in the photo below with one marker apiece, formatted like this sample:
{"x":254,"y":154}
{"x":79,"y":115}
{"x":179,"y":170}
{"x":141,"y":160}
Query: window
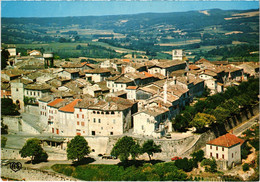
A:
{"x":211,"y":147}
{"x":217,"y":156}
{"x":82,"y":116}
{"x":142,"y":127}
{"x":94,"y":120}
{"x":17,"y":90}
{"x":38,"y":93}
{"x":93,"y":132}
{"x":99,"y":120}
{"x":210,"y":154}
{"x":82,"y":124}
{"x":98,"y":112}
{"x":216,"y":148}
{"x":94,"y":112}
{"x":222,"y":148}
{"x":112,"y":112}
{"x":77,"y":115}
{"x":77,"y":122}
{"x":223,"y":156}
{"x":107,"y":112}
{"x":232,"y":155}
{"x":101,"y":128}
{"x":114,"y":121}
{"x":80,"y":110}
{"x":111,"y":133}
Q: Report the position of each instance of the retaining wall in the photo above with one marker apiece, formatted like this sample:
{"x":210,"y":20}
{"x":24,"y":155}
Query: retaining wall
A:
{"x":9,"y":153}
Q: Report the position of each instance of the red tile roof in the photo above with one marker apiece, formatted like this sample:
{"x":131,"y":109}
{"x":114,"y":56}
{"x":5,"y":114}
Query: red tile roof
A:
{"x":56,"y":101}
{"x":126,"y":60}
{"x":70,"y":107}
{"x":226,"y":140}
{"x":131,"y":87}
{"x":147,"y":74}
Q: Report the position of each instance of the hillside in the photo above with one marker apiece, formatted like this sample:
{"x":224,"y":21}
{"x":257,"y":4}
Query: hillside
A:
{"x":195,"y":31}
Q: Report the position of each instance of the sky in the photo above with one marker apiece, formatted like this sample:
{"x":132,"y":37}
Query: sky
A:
{"x":98,"y":8}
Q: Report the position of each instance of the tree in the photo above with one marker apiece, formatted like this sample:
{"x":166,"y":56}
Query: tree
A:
{"x":198,"y":155}
{"x":8,"y":107}
{"x":4,"y":127}
{"x":221,"y":114}
{"x":135,"y":151}
{"x":77,"y":148}
{"x":33,"y":149}
{"x":245,"y":167}
{"x":185,"y":164}
{"x":150,"y":148}
{"x":3,"y":141}
{"x":4,"y":57}
{"x":201,"y":120}
{"x":78,"y":47}
{"x":124,"y":147}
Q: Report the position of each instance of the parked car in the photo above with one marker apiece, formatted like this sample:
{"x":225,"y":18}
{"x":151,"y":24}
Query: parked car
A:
{"x":175,"y":158}
{"x":108,"y":157}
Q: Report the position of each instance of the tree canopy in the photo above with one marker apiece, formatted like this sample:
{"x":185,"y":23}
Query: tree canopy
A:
{"x":125,"y":147}
{"x":33,"y":149}
{"x":77,"y":148}
{"x":201,"y":120}
{"x":8,"y":107}
{"x":150,"y":148}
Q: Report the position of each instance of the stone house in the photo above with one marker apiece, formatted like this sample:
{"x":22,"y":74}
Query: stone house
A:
{"x":98,"y":74}
{"x":37,"y":91}
{"x":69,"y":74}
{"x":119,"y":82}
{"x":67,"y":123}
{"x":111,"y":117}
{"x":96,"y":90}
{"x":166,"y":67}
{"x":226,"y":148}
{"x":151,"y":121}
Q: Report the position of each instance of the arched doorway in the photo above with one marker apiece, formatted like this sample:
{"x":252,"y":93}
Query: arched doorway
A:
{"x":18,"y":104}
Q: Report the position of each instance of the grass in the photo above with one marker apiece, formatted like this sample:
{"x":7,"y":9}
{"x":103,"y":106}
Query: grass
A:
{"x":121,"y":172}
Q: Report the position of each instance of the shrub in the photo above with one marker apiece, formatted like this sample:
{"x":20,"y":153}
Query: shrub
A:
{"x":3,"y":141}
{"x":210,"y":165}
{"x":184,"y":164}
{"x":245,"y":167}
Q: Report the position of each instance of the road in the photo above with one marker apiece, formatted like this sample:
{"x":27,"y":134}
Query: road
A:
{"x":238,"y":130}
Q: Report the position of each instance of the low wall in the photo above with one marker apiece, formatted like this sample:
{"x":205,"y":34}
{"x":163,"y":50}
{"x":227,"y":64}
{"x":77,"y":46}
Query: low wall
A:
{"x":9,"y":153}
{"x":170,"y":147}
{"x":32,"y":109}
{"x":28,"y":174}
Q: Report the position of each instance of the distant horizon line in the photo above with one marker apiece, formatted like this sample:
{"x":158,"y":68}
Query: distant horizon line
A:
{"x":135,"y":13}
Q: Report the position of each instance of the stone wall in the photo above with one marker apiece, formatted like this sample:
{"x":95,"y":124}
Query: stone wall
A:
{"x":9,"y":153}
{"x":28,"y":174}
{"x":170,"y":147}
{"x":14,"y":123}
